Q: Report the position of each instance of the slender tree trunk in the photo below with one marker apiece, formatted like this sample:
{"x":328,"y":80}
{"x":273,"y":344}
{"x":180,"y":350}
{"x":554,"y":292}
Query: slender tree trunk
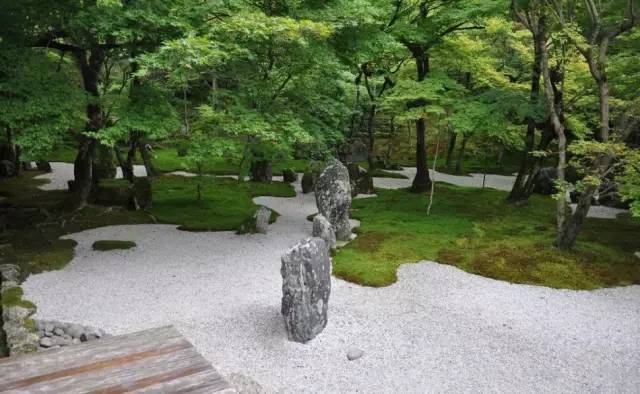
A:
{"x":356,"y":110}
{"x":545,"y":141}
{"x":605,"y":111}
{"x":463,"y":147}
{"x":82,"y":175}
{"x":518,"y":192}
{"x":127,"y":165}
{"x":569,"y":235}
{"x":562,"y":242}
{"x":371,"y":136}
{"x":391,"y":138}
{"x":18,"y":163}
{"x":422,"y":181}
{"x":147,"y":159}
{"x":83,"y":166}
{"x":453,"y":137}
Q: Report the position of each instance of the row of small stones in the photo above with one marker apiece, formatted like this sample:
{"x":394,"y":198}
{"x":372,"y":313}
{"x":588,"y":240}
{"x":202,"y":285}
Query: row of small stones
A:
{"x":55,"y":334}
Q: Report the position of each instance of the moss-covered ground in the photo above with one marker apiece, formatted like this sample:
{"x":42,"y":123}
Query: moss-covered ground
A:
{"x":35,"y":219}
{"x":225,"y":204}
{"x":167,"y":160}
{"x":477,"y":231}
{"x":107,"y":245}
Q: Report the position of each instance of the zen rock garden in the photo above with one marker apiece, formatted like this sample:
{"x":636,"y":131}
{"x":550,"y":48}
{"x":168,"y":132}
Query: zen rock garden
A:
{"x":323,"y":196}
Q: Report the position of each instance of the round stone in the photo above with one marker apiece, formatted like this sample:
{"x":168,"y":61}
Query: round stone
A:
{"x":354,"y":353}
{"x":46,"y":342}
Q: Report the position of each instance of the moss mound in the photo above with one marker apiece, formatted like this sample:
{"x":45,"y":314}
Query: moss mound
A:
{"x":107,"y":245}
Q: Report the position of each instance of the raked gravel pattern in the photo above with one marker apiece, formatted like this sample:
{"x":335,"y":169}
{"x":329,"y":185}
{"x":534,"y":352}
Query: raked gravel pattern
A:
{"x":438,"y":329}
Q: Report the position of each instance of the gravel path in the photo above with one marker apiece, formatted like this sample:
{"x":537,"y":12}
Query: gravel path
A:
{"x":63,"y":172}
{"x":437,"y":329}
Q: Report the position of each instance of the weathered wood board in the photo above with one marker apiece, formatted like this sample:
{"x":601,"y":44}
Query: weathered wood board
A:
{"x":153,"y":361}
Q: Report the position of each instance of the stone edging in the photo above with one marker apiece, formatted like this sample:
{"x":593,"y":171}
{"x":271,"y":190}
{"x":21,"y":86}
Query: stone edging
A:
{"x":18,"y":330}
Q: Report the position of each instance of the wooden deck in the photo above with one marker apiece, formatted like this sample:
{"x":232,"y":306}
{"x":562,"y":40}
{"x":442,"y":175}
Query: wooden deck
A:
{"x":154,"y":361}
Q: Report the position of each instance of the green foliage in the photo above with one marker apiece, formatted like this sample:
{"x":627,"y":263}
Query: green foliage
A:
{"x":479,"y":232}
{"x":145,"y":111}
{"x":630,"y":181}
{"x":39,"y":101}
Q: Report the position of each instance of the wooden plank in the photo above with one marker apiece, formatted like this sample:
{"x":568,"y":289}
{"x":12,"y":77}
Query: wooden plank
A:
{"x":129,"y":377}
{"x":68,"y":357}
{"x":203,"y":382}
{"x":152,"y":361}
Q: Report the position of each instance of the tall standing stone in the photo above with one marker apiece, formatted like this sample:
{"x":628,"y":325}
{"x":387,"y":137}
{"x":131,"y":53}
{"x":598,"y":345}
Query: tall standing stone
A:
{"x":323,"y":229}
{"x":308,"y":182}
{"x":306,"y":285}
{"x":262,"y":218}
{"x":333,"y":198}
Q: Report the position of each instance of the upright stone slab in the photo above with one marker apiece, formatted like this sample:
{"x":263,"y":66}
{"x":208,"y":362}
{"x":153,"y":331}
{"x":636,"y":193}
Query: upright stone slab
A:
{"x":333,"y":198}
{"x":323,"y":229}
{"x":308,"y":182}
{"x":262,"y":217}
{"x":361,"y":180}
{"x":306,"y":285}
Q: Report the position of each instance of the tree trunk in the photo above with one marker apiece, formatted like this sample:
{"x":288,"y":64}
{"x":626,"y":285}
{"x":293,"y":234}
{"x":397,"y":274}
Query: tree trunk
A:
{"x":465,"y":139}
{"x":147,"y":159}
{"x":370,"y":134}
{"x":453,"y":137}
{"x":127,"y":165}
{"x":519,"y":193}
{"x":82,"y":175}
{"x":562,"y":242}
{"x":422,"y":181}
{"x":83,"y":180}
{"x":605,"y":116}
{"x":392,"y":135}
{"x":569,"y":234}
{"x":547,"y":138}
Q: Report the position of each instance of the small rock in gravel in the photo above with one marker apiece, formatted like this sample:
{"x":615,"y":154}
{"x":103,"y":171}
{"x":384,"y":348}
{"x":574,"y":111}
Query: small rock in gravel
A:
{"x":61,"y":341}
{"x":58,"y":331}
{"x":49,"y":327}
{"x":354,"y":353}
{"x":75,"y":341}
{"x":87,"y":337}
{"x":75,"y":330}
{"x":46,"y":342}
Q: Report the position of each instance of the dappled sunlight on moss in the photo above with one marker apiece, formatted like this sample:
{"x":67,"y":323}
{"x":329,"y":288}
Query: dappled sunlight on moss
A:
{"x":477,"y":231}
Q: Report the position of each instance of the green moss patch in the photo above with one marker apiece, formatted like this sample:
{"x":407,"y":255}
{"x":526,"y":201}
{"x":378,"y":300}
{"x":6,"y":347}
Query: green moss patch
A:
{"x":226,"y":204}
{"x":106,"y":245}
{"x":13,"y":297}
{"x":477,"y":231}
{"x":37,"y":221}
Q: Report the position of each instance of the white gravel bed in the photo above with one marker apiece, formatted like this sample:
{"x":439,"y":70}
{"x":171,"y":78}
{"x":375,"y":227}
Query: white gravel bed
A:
{"x":63,"y":172}
{"x":498,"y":182}
{"x":437,"y":329}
